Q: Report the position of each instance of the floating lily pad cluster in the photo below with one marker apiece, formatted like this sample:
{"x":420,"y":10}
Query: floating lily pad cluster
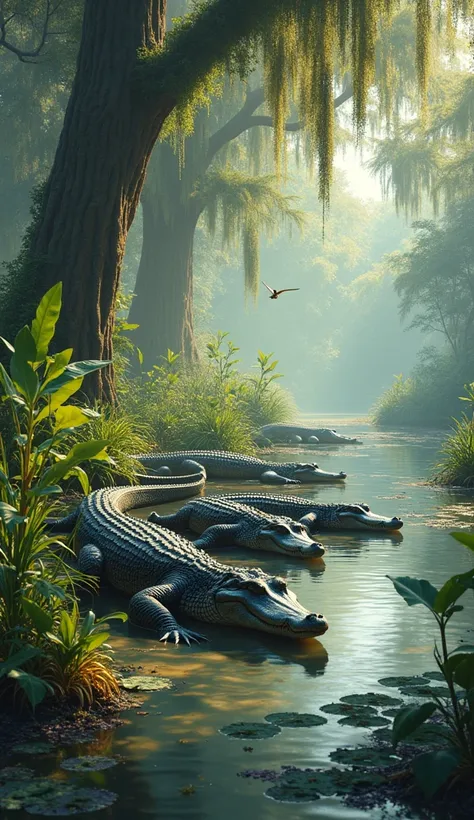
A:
{"x":19,"y":789}
{"x":295,"y":719}
{"x":88,"y":763}
{"x":304,"y":785}
{"x":254,"y":731}
{"x":417,"y":685}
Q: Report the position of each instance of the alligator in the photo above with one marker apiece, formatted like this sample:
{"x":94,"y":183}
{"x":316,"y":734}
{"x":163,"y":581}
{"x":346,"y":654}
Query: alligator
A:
{"x":224,"y":523}
{"x":219,"y":464}
{"x":317,"y":516}
{"x":165,"y":573}
{"x":297,"y":434}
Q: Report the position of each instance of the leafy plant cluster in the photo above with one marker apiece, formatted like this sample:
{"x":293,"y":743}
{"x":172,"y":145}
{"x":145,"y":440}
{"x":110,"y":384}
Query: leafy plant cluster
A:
{"x":210,"y":404}
{"x":46,"y":648}
{"x":457,"y":463}
{"x":455,"y":760}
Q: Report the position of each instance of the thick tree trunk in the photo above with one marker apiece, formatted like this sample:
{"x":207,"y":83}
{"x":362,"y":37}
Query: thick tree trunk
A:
{"x":163,"y":301}
{"x":97,"y":177}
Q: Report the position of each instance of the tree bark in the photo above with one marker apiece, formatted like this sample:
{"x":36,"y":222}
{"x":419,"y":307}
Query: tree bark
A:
{"x":97,"y":176}
{"x":163,"y":301}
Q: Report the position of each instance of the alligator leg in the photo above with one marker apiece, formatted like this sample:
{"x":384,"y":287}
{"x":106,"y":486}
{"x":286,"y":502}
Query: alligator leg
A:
{"x":219,"y":535}
{"x":90,"y":560}
{"x":271,"y":477}
{"x":178,"y":522}
{"x":310,"y":521}
{"x":148,"y":608}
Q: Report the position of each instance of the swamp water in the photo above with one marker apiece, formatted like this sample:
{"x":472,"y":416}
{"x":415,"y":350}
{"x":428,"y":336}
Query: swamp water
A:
{"x":175,"y":761}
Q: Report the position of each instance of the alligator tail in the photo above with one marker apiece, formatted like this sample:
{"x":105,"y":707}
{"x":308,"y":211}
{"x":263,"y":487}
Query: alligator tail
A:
{"x":63,"y":525}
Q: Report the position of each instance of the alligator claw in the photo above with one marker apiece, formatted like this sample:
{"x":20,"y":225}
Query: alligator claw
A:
{"x":185,"y":635}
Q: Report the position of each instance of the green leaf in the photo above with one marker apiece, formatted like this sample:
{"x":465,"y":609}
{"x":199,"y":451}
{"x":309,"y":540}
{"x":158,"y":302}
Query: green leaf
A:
{"x":463,"y":648}
{"x":10,"y":516}
{"x":118,"y":616}
{"x":41,"y":620}
{"x":76,"y":370}
{"x":432,"y":769}
{"x":82,"y":477}
{"x":21,"y":370}
{"x":415,"y":591}
{"x":95,"y":640}
{"x":25,"y":654}
{"x":409,"y":718}
{"x":48,"y":590}
{"x":67,"y":629}
{"x":464,"y":672}
{"x":58,"y":397}
{"x":52,"y":489}
{"x":140,"y":356}
{"x":87,"y":624}
{"x":35,"y":688}
{"x":465,"y":538}
{"x":44,"y":323}
{"x":452,"y":590}
{"x":72,"y":416}
{"x":57,"y":365}
{"x":8,"y":386}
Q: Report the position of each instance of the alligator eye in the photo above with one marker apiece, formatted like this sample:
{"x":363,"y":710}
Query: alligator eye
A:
{"x":280,"y":584}
{"x":255,"y":586}
{"x":281,"y":528}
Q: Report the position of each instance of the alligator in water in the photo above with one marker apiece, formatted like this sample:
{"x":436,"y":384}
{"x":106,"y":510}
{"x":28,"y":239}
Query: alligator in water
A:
{"x":224,"y":523}
{"x":297,"y":434}
{"x":219,"y":464}
{"x":317,"y":516}
{"x":165,"y":573}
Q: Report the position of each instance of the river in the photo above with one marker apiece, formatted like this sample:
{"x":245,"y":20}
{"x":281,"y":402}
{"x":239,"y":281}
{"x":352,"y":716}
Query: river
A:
{"x":242,"y":675}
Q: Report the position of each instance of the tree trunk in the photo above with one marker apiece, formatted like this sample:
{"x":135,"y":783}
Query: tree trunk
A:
{"x":97,"y":176}
{"x":163,"y":301}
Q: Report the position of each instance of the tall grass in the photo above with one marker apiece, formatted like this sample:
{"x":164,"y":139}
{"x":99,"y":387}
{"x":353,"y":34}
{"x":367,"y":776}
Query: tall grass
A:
{"x":456,"y":467}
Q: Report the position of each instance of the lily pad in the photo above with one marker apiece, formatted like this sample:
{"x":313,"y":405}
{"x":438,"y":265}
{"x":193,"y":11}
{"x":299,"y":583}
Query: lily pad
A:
{"x":302,"y":786}
{"x":295,"y":719}
{"x":364,"y":756}
{"x":434,"y":675}
{"x":53,"y":798}
{"x":363,"y":721}
{"x":11,"y":774}
{"x":88,"y":763}
{"x":426,"y":735}
{"x":36,"y":747}
{"x":346,"y":709}
{"x":254,"y":731}
{"x":383,"y":735}
{"x":426,"y":691}
{"x":402,"y":680}
{"x":393,"y":712}
{"x":146,"y":683}
{"x":371,"y":699}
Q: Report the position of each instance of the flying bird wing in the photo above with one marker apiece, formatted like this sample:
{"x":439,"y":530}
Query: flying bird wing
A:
{"x":268,"y":287}
{"x":285,"y":290}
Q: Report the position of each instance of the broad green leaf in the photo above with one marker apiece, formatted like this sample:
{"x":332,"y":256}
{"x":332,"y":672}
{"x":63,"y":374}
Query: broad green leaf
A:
{"x":464,"y":672}
{"x":95,"y":640}
{"x":465,"y":538}
{"x":82,"y":477}
{"x":409,"y":718}
{"x":83,"y":451}
{"x":72,"y":416}
{"x":10,"y":516}
{"x":25,"y":345}
{"x":41,"y":620}
{"x":463,"y":648}
{"x":433,"y":769}
{"x":128,"y":326}
{"x":52,"y":489}
{"x":76,"y":370}
{"x":26,"y":653}
{"x":8,"y":386}
{"x":415,"y":591}
{"x":35,"y":688}
{"x":57,"y":365}
{"x":87,"y":624}
{"x":44,"y":323}
{"x":7,"y":344}
{"x":118,"y":616}
{"x":21,"y":370}
{"x":453,"y":589}
{"x":57,"y":398}
{"x":67,"y":628}
{"x":48,"y":590}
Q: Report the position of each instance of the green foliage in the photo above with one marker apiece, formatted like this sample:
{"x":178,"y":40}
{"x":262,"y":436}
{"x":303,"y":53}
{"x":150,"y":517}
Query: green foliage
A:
{"x":457,"y":463}
{"x":36,"y":584}
{"x":433,"y":769}
{"x":206,"y":405}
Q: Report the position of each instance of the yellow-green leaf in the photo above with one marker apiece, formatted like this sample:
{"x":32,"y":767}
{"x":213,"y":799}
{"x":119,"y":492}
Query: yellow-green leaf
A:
{"x":44,"y":323}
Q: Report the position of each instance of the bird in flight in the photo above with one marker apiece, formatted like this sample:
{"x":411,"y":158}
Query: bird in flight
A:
{"x":276,"y":293}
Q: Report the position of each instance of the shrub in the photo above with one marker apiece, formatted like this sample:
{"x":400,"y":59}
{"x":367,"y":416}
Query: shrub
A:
{"x":457,"y":465}
{"x":36,"y":585}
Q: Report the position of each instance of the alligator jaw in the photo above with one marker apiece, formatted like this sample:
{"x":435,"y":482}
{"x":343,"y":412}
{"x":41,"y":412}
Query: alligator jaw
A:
{"x":296,"y":545}
{"x":367,"y":520}
{"x":311,"y":474}
{"x":269,"y":606}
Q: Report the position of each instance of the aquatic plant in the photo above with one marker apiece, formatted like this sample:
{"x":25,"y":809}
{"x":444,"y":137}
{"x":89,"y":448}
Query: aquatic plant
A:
{"x":36,"y":583}
{"x":457,"y":464}
{"x":455,"y":760}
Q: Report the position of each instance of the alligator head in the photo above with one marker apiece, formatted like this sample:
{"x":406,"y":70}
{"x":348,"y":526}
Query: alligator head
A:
{"x":356,"y":517}
{"x":287,"y":537}
{"x":311,"y":474}
{"x":259,"y":601}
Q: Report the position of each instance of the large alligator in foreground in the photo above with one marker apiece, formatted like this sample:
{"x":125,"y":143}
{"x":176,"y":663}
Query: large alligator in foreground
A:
{"x":219,"y":464}
{"x":224,"y":523}
{"x":317,"y":516}
{"x":165,"y":573}
{"x":298,"y":434}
